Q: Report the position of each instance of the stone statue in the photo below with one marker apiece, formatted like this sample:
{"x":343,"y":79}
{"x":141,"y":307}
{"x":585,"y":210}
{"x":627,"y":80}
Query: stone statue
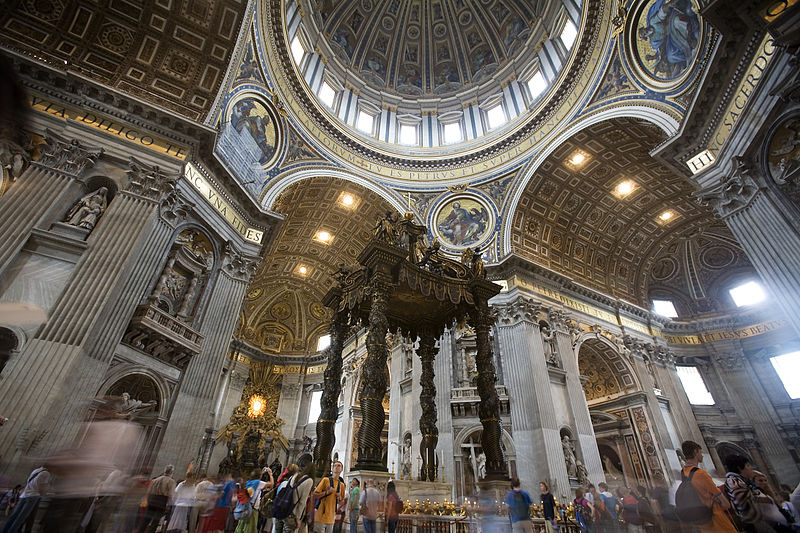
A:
{"x":87,"y":211}
{"x":135,"y":407}
{"x":477,"y":264}
{"x":481,"y":465}
{"x":405,"y":458}
{"x":569,"y":456}
{"x":582,"y":473}
{"x":307,"y":444}
{"x":611,"y":470}
{"x":384,"y":228}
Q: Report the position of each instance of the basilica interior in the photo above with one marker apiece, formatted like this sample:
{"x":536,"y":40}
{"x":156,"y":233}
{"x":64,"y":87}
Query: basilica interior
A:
{"x":548,"y":240}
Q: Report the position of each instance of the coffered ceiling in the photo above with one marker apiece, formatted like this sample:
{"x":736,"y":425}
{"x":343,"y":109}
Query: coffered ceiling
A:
{"x":172,"y":53}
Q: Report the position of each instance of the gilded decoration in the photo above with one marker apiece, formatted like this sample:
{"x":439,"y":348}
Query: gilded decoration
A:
{"x":666,"y":37}
{"x":463,"y":221}
{"x":256,"y":124}
{"x":256,"y":413}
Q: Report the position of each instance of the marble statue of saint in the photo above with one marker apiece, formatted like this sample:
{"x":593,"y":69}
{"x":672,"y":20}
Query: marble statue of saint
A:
{"x":481,"y":465}
{"x":611,"y":470}
{"x":582,"y":473}
{"x":405,"y":459}
{"x":132,"y":406}
{"x":569,"y":456}
{"x":87,"y":211}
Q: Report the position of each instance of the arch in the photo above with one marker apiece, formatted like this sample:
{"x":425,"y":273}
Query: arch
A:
{"x":610,"y":376}
{"x":649,"y":113}
{"x":270,"y":195}
{"x":461,"y":437}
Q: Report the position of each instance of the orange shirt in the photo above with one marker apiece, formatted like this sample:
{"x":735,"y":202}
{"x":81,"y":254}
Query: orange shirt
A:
{"x":706,"y":489}
{"x":327,"y":506}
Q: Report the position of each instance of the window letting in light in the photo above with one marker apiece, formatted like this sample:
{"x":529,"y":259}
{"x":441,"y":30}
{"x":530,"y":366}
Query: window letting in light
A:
{"x":496,"y":116}
{"x":408,"y":134}
{"x":452,"y":133}
{"x":664,"y":308}
{"x":788,"y":368}
{"x":694,"y":386}
{"x":747,"y":294}
{"x":568,"y":35}
{"x":537,"y":84}
{"x":298,"y":52}
{"x":323,"y":342}
{"x":314,"y":408}
{"x":365,"y":122}
{"x":326,"y":94}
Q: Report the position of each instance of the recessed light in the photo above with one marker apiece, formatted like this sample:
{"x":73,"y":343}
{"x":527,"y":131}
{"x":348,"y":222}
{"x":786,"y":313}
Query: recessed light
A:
{"x":624,"y":188}
{"x":577,"y":160}
{"x":666,"y":216}
{"x":302,"y":270}
{"x":348,"y":200}
{"x":323,"y":237}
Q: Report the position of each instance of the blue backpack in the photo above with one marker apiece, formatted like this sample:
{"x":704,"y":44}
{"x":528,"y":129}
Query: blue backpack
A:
{"x":284,"y":503}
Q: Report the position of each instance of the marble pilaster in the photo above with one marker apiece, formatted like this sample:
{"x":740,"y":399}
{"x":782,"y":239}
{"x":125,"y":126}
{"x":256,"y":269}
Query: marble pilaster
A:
{"x":443,"y":379}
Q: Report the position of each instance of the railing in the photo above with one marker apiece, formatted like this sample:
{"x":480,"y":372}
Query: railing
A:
{"x":471,"y":393}
{"x":415,"y":523}
{"x":169,"y":326}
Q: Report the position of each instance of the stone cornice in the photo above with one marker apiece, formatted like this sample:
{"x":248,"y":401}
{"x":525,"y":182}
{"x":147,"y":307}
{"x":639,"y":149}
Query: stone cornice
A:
{"x":255,"y":354}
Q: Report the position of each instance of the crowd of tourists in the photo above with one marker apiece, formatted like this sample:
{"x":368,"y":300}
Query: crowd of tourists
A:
{"x":292,"y":501}
{"x":745,"y":502}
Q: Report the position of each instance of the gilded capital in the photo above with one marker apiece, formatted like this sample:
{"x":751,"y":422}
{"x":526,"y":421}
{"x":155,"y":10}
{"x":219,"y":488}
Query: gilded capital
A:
{"x":149,"y":181}
{"x":67,"y":155}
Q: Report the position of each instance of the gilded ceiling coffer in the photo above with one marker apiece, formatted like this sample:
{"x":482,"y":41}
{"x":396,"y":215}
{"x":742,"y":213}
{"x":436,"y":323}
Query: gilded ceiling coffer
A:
{"x":402,"y":284}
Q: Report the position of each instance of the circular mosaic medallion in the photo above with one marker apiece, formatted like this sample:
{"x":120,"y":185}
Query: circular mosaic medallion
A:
{"x":440,"y":30}
{"x":717,"y":257}
{"x":665,"y":38}
{"x":664,"y":268}
{"x":255,"y":123}
{"x":318,"y":310}
{"x":463,"y":221}
{"x":464,"y":18}
{"x":413,"y":32}
{"x":281,"y":311}
{"x":387,"y":23}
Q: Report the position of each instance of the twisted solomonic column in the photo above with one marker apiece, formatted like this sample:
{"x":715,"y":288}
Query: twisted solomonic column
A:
{"x":331,"y":389}
{"x":427,"y":399}
{"x":370,"y":449}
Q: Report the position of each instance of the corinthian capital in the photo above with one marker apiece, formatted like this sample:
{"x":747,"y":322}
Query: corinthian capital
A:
{"x":729,"y":361}
{"x":67,"y":155}
{"x":149,"y":181}
{"x":236,"y":265}
{"x":175,"y":208}
{"x":734,"y":191}
{"x":519,"y":310}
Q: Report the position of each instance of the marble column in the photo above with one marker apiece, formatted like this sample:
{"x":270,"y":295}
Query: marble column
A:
{"x":489,"y":407}
{"x":443,"y":381}
{"x":427,"y":399}
{"x":193,"y":408}
{"x":576,"y":398}
{"x":39,"y":188}
{"x":768,"y":233}
{"x":533,"y":418}
{"x":48,"y":385}
{"x":331,"y":388}
{"x":374,"y":379}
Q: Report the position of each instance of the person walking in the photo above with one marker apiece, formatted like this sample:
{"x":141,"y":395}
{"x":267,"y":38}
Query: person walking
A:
{"x":330,"y":491}
{"x":393,"y":507}
{"x":584,"y":510}
{"x":753,"y":506}
{"x":548,"y":507}
{"x":519,"y":508}
{"x":24,"y":513}
{"x":159,"y":494}
{"x":710,"y":496}
{"x":612,"y":522}
{"x":353,"y":504}
{"x":303,"y":483}
{"x":369,"y":503}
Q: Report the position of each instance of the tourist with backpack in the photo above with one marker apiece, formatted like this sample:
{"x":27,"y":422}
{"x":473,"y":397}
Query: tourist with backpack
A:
{"x":246,"y":510}
{"x":548,"y":508}
{"x":698,"y":501}
{"x":610,"y":504}
{"x":394,"y":506}
{"x":283,"y":481}
{"x":291,"y":503}
{"x":519,"y":508}
{"x":331,"y":491}
{"x":369,"y":503}
{"x":756,"y":509}
{"x":584,"y":510}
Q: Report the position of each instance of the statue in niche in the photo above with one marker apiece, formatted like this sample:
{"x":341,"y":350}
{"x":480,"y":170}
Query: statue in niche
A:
{"x":405,"y":458}
{"x":481,"y":465}
{"x":548,"y":342}
{"x":87,"y":211}
{"x":133,"y":407}
{"x":569,"y":456}
{"x":611,"y":470}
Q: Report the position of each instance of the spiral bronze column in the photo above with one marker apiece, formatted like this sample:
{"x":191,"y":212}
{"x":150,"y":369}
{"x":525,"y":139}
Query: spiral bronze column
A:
{"x":373,"y":377}
{"x":332,"y":387}
{"x":489,"y":408}
{"x":427,"y":399}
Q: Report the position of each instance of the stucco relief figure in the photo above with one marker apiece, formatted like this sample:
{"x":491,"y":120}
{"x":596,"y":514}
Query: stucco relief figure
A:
{"x":87,"y":211}
{"x":569,"y":456}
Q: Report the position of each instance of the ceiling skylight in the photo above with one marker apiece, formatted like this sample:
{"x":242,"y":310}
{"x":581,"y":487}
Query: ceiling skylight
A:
{"x":452,"y":133}
{"x":664,"y":308}
{"x":788,"y":368}
{"x":496,"y":116}
{"x":365,"y":122}
{"x":747,"y":294}
{"x":694,"y":386}
{"x":568,"y":35}
{"x":408,"y":134}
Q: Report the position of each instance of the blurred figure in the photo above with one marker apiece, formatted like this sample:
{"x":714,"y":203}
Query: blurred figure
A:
{"x":183,"y":502}
{"x":519,"y":508}
{"x":353,"y":505}
{"x":254,"y":486}
{"x":664,"y":508}
{"x":548,"y":507}
{"x":278,"y":524}
{"x":630,"y":509}
{"x":24,"y":513}
{"x":753,"y":506}
{"x":9,"y":500}
{"x":612,"y":524}
{"x":584,"y":510}
{"x":159,"y":494}
{"x":393,"y":508}
{"x":647,"y":516}
{"x":370,"y":502}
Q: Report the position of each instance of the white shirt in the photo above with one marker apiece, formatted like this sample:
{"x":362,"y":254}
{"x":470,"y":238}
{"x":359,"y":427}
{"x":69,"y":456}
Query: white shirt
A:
{"x":37,"y":483}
